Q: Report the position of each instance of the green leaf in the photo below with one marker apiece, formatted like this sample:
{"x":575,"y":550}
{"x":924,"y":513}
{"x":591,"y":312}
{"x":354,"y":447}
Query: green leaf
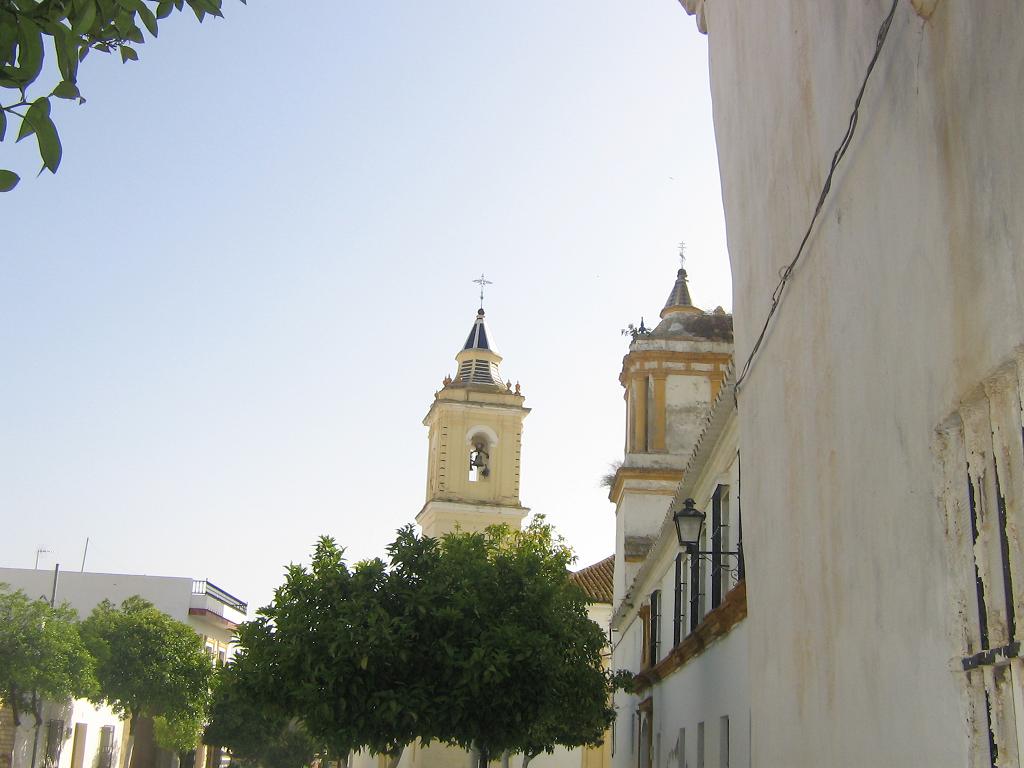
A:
{"x":29,"y":123}
{"x":164,"y":8}
{"x":84,"y":21}
{"x":66,"y":90}
{"x":3,"y":124}
{"x":148,"y":19}
{"x":65,"y":44}
{"x":8,"y":180}
{"x":127,"y":52}
{"x":49,"y":142}
{"x":30,"y":50}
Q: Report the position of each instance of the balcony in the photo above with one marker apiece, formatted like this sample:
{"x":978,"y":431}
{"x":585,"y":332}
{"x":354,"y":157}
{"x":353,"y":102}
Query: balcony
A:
{"x":216,"y":604}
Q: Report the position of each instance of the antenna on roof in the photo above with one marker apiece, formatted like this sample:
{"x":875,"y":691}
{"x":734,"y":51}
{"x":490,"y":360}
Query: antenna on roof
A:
{"x":39,"y":552}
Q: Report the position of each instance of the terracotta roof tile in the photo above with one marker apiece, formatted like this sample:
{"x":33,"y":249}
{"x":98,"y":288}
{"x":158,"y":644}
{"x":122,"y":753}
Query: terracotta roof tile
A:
{"x":596,"y":580}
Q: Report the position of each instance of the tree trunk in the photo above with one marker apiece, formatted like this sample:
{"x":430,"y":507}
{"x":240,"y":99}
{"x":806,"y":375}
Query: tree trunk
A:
{"x":130,"y":746}
{"x":504,"y":758}
{"x":527,"y":757}
{"x":37,"y":707}
{"x":485,"y":757}
{"x":15,"y":695}
{"x":394,"y":757}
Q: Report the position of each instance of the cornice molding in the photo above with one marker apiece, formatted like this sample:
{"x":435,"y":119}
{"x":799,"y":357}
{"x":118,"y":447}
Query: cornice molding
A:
{"x":696,"y":8}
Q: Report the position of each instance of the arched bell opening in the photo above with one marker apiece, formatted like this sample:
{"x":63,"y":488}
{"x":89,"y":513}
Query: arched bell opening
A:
{"x":481,"y":443}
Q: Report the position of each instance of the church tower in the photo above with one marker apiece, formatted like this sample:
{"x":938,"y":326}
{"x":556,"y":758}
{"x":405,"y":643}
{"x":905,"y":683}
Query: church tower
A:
{"x":671,"y":376}
{"x":475,"y":438}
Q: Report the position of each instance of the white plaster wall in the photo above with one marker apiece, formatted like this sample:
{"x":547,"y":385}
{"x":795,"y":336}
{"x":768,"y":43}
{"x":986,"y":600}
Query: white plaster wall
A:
{"x":627,"y":649}
{"x":713,"y":685}
{"x":637,"y":514}
{"x":687,"y":403}
{"x":72,"y":713}
{"x":909,"y":294}
{"x":84,"y":591}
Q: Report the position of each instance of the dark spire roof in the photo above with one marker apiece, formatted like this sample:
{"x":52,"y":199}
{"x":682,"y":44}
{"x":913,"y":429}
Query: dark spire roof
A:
{"x":478,"y":362}
{"x":478,"y":334}
{"x":680,"y":296}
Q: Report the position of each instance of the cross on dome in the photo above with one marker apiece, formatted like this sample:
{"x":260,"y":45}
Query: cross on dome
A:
{"x":482,"y":281}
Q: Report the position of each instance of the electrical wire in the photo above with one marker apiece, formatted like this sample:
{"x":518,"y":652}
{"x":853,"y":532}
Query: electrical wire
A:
{"x":840,"y":152}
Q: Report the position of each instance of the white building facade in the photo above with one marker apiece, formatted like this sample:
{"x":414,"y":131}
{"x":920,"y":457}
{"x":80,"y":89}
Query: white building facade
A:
{"x":79,"y":734}
{"x":679,"y":617}
{"x":880,"y":420}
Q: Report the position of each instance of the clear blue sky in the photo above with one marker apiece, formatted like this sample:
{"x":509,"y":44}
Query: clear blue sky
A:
{"x":256,"y":258}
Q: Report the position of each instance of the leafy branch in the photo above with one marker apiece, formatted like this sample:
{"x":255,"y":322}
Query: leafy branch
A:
{"x":70,"y":29}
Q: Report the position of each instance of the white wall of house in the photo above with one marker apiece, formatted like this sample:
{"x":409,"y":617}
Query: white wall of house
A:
{"x":691,"y":704}
{"x":699,"y":696}
{"x":211,"y":619}
{"x":908,"y":299}
{"x":84,"y":591}
{"x":171,"y":594}
{"x":79,"y":720}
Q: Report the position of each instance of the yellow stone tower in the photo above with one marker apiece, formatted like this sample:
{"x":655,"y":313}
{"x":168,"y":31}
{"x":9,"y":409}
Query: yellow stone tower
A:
{"x":476,"y":433}
{"x":671,"y":375}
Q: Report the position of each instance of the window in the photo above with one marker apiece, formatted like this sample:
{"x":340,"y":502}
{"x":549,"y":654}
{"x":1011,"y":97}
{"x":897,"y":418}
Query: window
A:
{"x":106,"y":750}
{"x":700,"y":745}
{"x":722,"y":576}
{"x":681,"y":748}
{"x":696,"y":598}
{"x":723,"y":742}
{"x":655,"y":631}
{"x":679,"y":604}
{"x":981,"y":450}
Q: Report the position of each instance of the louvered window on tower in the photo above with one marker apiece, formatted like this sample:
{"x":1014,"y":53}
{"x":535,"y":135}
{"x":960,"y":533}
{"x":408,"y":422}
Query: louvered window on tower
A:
{"x":482,"y":372}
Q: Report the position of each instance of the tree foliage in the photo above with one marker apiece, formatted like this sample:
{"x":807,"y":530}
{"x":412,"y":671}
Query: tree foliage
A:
{"x":42,"y":655}
{"x":180,"y":731}
{"x":476,"y":640}
{"x":257,"y":734}
{"x":69,"y":30}
{"x":147,"y":663}
{"x":522,"y":660}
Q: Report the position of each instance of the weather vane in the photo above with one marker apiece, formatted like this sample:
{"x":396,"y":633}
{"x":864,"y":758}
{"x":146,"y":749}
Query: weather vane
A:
{"x":482,"y":281}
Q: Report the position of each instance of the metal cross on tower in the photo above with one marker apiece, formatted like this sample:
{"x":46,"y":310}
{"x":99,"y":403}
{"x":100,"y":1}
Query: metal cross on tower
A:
{"x":482,"y":281}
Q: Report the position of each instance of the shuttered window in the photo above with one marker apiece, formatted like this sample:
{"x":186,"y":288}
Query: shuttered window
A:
{"x":981,"y":451}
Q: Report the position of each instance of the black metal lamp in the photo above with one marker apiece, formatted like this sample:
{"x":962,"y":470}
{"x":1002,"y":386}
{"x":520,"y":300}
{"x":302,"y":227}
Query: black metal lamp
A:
{"x":689,"y":523}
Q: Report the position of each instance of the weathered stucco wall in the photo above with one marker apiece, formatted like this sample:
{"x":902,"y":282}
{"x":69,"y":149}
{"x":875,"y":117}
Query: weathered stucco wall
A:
{"x":909,"y":294}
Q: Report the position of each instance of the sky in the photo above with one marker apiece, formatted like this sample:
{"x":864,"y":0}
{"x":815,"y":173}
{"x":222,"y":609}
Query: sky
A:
{"x":223,"y":320}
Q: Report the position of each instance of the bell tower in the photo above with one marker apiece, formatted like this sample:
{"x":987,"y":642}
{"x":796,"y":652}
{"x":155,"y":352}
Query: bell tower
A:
{"x":671,"y":376}
{"x":475,"y":436}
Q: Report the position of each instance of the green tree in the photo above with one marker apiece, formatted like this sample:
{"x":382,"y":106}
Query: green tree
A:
{"x":255,"y":732}
{"x":69,"y":30}
{"x":179,"y":732}
{"x":335,"y":649}
{"x":148,"y":665}
{"x":521,"y":660}
{"x":476,"y":640}
{"x":42,"y":655}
